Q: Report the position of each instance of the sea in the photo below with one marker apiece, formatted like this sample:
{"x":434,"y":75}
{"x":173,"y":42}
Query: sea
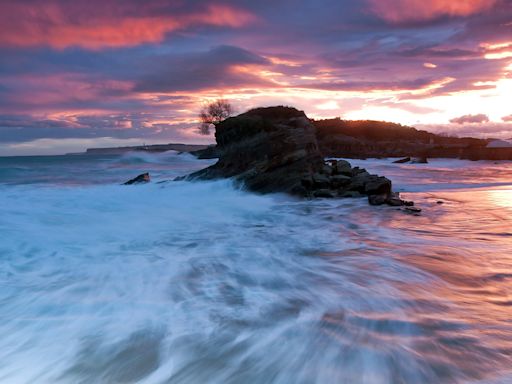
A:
{"x":204,"y":282}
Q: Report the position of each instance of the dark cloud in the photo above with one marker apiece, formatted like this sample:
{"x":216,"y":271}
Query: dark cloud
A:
{"x":470,"y":119}
{"x":219,"y":67}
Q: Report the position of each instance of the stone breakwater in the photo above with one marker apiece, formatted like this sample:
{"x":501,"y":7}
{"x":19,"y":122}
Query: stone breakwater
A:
{"x":275,"y":149}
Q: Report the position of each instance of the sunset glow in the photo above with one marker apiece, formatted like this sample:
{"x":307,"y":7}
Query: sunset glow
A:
{"x":132,"y":70}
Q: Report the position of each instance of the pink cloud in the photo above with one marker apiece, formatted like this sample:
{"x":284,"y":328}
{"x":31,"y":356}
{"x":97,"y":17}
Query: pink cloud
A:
{"x":398,"y":11}
{"x":507,"y":118}
{"x":60,"y":25}
{"x":470,"y":119}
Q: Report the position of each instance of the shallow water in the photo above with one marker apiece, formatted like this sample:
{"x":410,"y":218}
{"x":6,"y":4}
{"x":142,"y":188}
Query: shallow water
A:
{"x":203,"y":283}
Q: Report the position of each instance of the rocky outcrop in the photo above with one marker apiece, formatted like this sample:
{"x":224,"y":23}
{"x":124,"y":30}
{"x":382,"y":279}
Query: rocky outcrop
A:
{"x":275,"y":150}
{"x":142,"y":178}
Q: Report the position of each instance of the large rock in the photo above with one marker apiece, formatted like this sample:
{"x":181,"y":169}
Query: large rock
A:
{"x":275,"y":150}
{"x":268,"y":150}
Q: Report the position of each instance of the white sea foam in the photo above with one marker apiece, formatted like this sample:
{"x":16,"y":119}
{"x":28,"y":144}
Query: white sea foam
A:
{"x":204,"y":283}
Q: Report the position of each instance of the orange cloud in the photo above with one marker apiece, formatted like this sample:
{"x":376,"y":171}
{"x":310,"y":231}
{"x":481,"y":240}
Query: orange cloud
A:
{"x":51,"y":25}
{"x":398,"y":11}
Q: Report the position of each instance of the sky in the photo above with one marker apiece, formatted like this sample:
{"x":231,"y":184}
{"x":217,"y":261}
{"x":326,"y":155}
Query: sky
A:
{"x":78,"y":74}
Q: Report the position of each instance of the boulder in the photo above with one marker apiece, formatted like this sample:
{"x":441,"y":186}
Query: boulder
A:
{"x":377,"y":185}
{"x":341,"y":167}
{"x":401,"y":161}
{"x":142,"y":178}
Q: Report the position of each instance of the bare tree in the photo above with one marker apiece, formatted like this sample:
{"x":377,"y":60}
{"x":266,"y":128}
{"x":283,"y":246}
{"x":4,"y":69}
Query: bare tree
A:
{"x":213,"y":113}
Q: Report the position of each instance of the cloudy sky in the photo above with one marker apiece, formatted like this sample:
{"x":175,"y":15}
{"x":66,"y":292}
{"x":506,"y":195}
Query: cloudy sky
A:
{"x":75,"y":74}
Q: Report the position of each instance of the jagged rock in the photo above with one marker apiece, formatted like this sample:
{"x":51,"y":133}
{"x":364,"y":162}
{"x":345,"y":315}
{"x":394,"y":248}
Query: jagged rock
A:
{"x":275,"y":150}
{"x":267,"y":150}
{"x":401,"y":161}
{"x":142,"y":178}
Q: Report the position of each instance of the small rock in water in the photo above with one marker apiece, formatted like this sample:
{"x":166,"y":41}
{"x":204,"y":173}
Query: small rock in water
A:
{"x":142,"y":178}
{"x":420,"y":160}
{"x":412,"y":209}
{"x":401,"y":161}
{"x":440,"y":202}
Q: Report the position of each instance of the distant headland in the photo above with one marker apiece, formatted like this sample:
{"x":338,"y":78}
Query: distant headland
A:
{"x":147,"y":148}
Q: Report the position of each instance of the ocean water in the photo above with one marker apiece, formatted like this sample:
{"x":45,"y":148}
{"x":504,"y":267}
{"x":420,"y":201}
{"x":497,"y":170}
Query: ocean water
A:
{"x":201,"y":282}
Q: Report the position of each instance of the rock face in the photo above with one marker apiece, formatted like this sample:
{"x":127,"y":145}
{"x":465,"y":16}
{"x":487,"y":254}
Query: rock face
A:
{"x":275,"y":150}
{"x":142,"y":178}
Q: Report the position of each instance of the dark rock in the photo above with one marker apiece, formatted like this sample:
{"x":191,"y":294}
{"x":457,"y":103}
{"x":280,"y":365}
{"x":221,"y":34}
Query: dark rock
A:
{"x":377,"y":185}
{"x":275,"y":150}
{"x":268,"y":150}
{"x":210,"y":152}
{"x":440,"y":202}
{"x":327,"y":169}
{"x":408,"y":203}
{"x":142,"y":178}
{"x":412,"y":209}
{"x":342,"y":167}
{"x":352,"y":194}
{"x":377,"y":199}
{"x":395,"y":202}
{"x":338,"y":181}
{"x":321,"y":181}
{"x":420,"y":160}
{"x":324,"y":193}
{"x":401,"y":161}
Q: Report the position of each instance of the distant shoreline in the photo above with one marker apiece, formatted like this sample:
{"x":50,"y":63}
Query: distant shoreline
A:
{"x":146,"y":148}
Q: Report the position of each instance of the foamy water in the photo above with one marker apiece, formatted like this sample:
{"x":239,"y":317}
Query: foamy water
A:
{"x":202,"y":283}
